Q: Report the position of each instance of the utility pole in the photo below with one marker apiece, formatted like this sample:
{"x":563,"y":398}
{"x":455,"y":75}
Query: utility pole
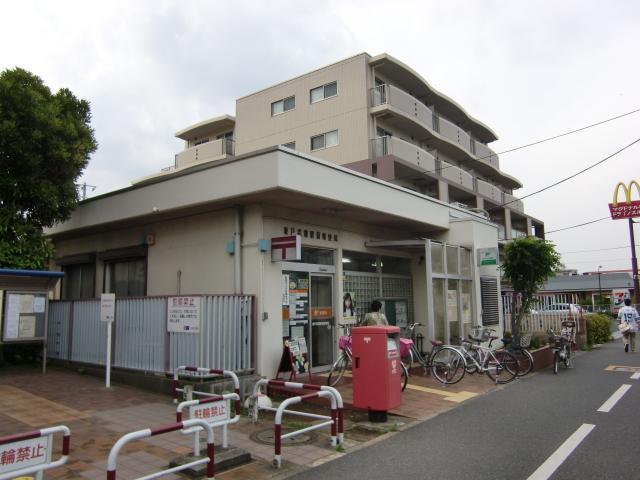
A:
{"x":634,"y":265}
{"x":599,"y":288}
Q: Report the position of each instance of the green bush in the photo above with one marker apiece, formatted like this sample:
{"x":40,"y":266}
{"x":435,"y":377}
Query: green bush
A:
{"x":535,"y":343}
{"x":598,"y":328}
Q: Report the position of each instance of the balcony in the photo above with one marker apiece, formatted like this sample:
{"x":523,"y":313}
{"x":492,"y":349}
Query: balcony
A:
{"x":411,"y":115}
{"x":406,"y":151}
{"x":490,"y":191}
{"x":514,"y":203}
{"x":456,"y":175}
{"x":214,"y":150}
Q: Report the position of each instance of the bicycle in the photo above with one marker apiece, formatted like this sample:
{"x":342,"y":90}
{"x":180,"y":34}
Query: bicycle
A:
{"x":518,"y":348}
{"x":499,"y":365}
{"x":345,"y":360}
{"x":561,"y":345}
{"x":445,"y":363}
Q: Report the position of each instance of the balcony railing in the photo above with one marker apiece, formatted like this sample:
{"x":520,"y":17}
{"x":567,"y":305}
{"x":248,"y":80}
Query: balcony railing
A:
{"x":513,"y":202}
{"x":456,"y":175}
{"x":406,"y":151}
{"x":489,"y":191}
{"x":411,"y":106}
{"x":206,"y":151}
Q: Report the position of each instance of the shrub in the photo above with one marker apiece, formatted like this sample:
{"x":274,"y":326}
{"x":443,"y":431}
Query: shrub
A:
{"x":598,"y":328}
{"x":535,"y":343}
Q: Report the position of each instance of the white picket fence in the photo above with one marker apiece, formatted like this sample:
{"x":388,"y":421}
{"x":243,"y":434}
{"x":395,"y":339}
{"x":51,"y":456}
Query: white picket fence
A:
{"x":542,"y":318}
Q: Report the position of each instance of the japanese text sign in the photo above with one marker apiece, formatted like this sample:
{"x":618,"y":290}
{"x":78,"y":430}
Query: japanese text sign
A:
{"x":183,"y":314}
{"x":211,"y":412}
{"x":23,"y":454}
{"x":628,"y":208}
{"x":107,"y":307}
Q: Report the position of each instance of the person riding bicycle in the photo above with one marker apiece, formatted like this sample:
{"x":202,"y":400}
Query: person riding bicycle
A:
{"x":375,"y":316}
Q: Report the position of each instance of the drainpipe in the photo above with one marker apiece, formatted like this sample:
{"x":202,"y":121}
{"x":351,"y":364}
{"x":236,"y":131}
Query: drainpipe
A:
{"x":237,"y":252}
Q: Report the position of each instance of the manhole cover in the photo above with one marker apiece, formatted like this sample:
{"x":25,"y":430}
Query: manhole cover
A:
{"x":266,"y":437}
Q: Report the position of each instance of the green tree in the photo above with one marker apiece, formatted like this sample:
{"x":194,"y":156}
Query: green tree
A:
{"x":45,"y":143}
{"x":528,"y":262}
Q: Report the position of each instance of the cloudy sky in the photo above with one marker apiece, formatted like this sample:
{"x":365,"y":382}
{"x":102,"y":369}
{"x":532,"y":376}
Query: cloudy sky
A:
{"x":530,"y":70}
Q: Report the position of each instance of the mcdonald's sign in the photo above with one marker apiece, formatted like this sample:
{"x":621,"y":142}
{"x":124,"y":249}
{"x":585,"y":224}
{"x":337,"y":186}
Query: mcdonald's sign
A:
{"x":629,"y":208}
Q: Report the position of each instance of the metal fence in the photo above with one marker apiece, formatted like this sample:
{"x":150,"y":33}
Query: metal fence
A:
{"x":140,"y":338}
{"x":547,"y":312}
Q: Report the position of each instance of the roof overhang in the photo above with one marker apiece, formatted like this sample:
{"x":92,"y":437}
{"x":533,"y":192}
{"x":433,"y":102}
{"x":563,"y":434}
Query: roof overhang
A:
{"x":32,"y":280}
{"x":274,"y":176}
{"x":223,"y":122}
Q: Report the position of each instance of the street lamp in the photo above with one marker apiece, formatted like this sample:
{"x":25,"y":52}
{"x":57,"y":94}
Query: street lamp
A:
{"x":599,"y":286}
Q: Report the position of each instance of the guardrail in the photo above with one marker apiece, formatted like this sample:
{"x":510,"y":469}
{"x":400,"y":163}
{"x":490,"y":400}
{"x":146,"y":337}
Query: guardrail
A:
{"x":150,"y":432}
{"x":203,"y":373}
{"x":335,"y":420}
{"x":217,"y":415}
{"x":31,"y":452}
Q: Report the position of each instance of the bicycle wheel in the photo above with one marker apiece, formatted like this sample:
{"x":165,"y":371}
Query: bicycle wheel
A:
{"x":525,"y":360}
{"x":567,"y":356}
{"x":556,"y":361}
{"x":501,"y":367}
{"x":448,"y":365}
{"x":471,"y":365}
{"x":404,"y":375}
{"x":337,"y":370}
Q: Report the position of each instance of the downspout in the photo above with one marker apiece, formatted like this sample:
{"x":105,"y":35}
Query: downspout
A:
{"x":237,"y":251}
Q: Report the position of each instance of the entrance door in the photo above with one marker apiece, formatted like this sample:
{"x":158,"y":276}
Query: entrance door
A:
{"x":322,"y":321}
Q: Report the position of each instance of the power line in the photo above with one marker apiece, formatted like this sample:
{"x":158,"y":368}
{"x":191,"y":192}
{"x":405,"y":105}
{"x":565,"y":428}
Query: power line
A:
{"x":597,"y":250}
{"x":570,"y":176}
{"x":576,"y":226}
{"x":537,"y":142}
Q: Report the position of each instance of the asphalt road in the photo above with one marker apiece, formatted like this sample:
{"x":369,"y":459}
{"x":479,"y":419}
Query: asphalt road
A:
{"x":510,"y":433}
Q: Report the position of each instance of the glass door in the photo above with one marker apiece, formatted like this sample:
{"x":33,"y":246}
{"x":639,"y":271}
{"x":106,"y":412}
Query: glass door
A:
{"x":322,"y":321}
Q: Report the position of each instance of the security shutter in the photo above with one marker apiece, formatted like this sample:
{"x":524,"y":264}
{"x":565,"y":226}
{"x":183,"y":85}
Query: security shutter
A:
{"x":489,"y":298}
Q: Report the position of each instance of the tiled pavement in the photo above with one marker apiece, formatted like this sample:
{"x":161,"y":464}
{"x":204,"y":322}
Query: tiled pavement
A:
{"x":98,"y":416}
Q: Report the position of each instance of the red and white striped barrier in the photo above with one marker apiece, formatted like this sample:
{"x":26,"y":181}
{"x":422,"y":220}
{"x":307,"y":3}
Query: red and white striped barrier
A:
{"x":214,"y":409}
{"x":30,"y":452}
{"x":150,"y":432}
{"x":337,"y":429}
{"x":282,"y":409}
{"x":203,"y":372}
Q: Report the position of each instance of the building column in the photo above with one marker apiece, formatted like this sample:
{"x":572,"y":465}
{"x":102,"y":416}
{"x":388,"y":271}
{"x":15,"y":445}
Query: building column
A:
{"x":443,"y":191}
{"x":529,"y":226}
{"x":507,"y":224}
{"x":479,"y":202}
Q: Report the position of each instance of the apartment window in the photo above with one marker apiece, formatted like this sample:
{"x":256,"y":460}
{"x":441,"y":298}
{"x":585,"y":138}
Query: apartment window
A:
{"x":283,"y":105}
{"x":325,"y":140}
{"x":325,"y":91}
{"x":200,"y":141}
{"x":225,"y":135}
{"x":291,"y":145}
{"x":128,"y":278}
{"x":78,"y":281}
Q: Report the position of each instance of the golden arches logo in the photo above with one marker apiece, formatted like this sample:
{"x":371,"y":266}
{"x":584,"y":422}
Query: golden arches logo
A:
{"x":627,"y":191}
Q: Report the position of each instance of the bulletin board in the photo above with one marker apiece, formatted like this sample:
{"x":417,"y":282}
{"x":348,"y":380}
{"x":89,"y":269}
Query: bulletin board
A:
{"x":23,"y":316}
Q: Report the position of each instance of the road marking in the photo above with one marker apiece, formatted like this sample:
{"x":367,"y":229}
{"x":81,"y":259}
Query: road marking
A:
{"x":635,"y":376}
{"x":556,"y":459}
{"x":622,"y":368}
{"x":613,"y":399}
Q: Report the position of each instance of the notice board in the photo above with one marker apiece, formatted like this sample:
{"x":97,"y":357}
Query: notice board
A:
{"x":24,"y":316}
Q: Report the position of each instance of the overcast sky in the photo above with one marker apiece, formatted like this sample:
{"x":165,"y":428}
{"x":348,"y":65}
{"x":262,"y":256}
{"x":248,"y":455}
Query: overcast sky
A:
{"x":529,"y":70}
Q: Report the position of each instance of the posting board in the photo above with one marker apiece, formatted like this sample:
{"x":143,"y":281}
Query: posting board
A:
{"x":24,"y":316}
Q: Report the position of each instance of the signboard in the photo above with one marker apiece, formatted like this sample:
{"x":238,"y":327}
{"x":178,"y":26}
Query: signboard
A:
{"x":211,"y":412}
{"x":629,"y":208}
{"x":107,"y":307}
{"x":23,"y":454}
{"x":183,"y":314}
{"x":24,"y":316}
{"x":487,"y":256}
{"x":286,"y":248}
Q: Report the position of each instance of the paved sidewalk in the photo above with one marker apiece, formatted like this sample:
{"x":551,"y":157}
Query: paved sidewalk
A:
{"x":98,"y":416}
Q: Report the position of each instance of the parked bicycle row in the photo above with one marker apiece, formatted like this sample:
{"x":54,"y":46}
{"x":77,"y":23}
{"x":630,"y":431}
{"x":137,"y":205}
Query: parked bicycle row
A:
{"x":476,"y":353}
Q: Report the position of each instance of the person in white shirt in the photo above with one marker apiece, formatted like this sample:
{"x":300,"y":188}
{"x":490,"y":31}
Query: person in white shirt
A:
{"x":629,"y":315}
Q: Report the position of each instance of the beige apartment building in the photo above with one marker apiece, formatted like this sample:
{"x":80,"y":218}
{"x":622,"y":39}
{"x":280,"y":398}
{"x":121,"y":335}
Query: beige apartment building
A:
{"x":389,"y":185}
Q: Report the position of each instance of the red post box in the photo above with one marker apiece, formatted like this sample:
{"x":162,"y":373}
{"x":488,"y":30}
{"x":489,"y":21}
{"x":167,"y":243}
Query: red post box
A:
{"x":376,"y":368}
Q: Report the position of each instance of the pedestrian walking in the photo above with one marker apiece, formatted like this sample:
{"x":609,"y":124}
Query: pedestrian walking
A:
{"x":628,"y":319}
{"x":375,"y":316}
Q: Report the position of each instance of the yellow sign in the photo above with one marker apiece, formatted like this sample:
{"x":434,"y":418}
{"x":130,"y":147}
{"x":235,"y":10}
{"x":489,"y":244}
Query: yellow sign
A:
{"x":626,"y":190}
{"x":628,"y":209}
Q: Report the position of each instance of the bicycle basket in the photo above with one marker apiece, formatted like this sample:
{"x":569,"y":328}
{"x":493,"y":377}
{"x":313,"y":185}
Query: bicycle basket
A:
{"x":555,"y":341}
{"x":480,"y":334}
{"x":405,"y":347}
{"x":525,"y":340}
{"x":344,"y":341}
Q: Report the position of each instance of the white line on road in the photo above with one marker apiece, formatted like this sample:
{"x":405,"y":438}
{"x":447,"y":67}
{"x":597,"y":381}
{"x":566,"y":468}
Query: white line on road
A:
{"x":635,"y":376}
{"x":613,"y":399}
{"x":545,"y":470}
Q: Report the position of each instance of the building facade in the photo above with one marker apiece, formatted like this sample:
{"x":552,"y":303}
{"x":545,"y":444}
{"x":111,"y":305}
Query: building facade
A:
{"x":388,"y":183}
